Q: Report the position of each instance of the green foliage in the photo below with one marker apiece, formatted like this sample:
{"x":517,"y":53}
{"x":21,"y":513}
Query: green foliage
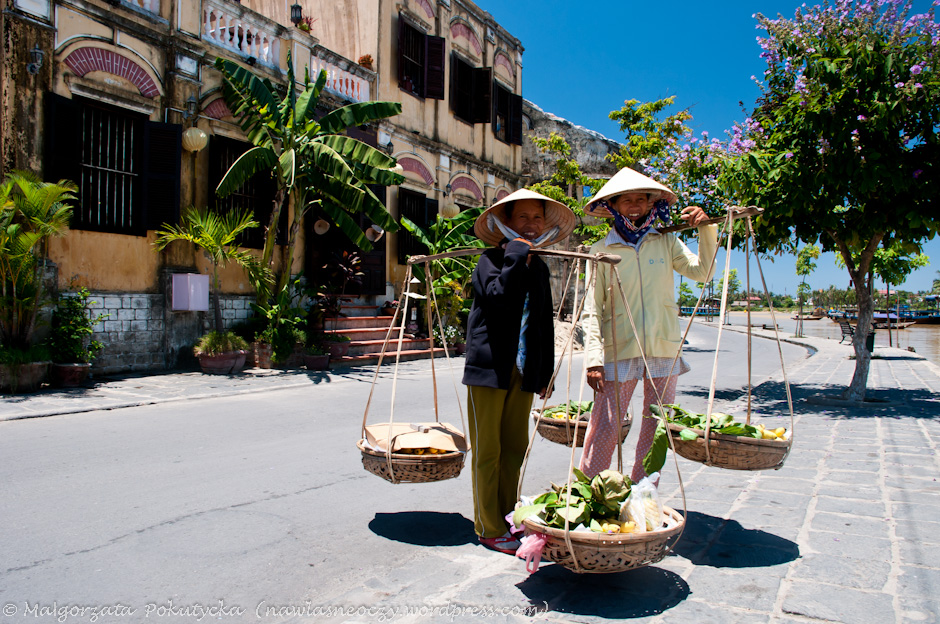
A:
{"x":217,"y":343}
{"x":313,"y":162}
{"x":720,"y":423}
{"x":598,"y":499}
{"x":72,"y":328}
{"x":450,"y":277}
{"x":15,"y":356}
{"x":686,"y":297}
{"x":31,"y":212}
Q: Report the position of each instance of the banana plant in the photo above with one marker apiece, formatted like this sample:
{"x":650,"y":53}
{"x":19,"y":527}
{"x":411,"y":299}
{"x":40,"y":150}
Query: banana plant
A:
{"x":312,"y":160}
{"x":31,"y":212}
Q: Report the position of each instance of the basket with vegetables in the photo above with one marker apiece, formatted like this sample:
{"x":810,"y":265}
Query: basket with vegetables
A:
{"x":613,"y":524}
{"x":568,"y":421}
{"x":731,"y":444}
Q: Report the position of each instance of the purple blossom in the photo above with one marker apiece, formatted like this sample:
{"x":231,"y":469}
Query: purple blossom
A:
{"x":898,"y":85}
{"x":917,"y":173}
{"x":917,"y":85}
{"x":847,"y":32}
{"x":788,"y":155}
{"x":862,"y":118}
{"x":916,"y":69}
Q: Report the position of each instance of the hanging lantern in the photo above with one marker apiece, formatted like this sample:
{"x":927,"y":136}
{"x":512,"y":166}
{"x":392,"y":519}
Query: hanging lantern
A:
{"x":194,"y":139}
{"x":321,"y":226}
{"x":374,"y":233}
{"x":449,"y":211}
{"x":398,"y":169}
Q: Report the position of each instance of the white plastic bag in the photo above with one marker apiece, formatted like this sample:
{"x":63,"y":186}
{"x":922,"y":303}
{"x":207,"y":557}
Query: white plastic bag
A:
{"x":643,"y":506}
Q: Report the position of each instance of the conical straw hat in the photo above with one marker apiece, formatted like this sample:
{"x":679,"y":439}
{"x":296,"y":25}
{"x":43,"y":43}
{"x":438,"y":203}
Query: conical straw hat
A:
{"x":627,"y":181}
{"x":556,"y":214}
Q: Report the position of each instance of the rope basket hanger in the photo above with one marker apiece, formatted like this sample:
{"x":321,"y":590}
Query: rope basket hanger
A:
{"x":735,"y":452}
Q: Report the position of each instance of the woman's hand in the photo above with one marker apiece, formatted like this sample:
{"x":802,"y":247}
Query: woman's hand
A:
{"x":693,"y":215}
{"x":595,"y":378}
{"x":545,"y":392}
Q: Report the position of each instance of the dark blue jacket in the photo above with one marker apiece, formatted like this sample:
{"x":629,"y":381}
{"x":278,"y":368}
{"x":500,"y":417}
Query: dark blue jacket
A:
{"x":500,"y":283}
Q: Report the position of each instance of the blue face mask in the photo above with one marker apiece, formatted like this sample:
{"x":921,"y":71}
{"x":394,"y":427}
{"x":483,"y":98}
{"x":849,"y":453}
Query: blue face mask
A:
{"x":631,"y":232}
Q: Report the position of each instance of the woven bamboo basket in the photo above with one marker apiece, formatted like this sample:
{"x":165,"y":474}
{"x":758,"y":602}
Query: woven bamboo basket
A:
{"x":732,"y":452}
{"x":554,"y":429}
{"x":411,"y":468}
{"x":602,"y":553}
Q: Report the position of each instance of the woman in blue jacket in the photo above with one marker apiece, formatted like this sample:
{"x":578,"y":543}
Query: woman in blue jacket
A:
{"x":510,"y":350}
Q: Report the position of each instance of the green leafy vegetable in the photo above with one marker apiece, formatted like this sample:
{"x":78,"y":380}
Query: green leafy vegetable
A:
{"x":656,"y":456}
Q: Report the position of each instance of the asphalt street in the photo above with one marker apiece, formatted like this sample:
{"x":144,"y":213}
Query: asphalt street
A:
{"x":255,"y":507}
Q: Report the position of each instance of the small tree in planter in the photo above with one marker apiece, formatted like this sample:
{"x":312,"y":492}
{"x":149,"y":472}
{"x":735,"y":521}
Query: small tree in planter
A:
{"x":70,"y":343}
{"x":216,"y":234}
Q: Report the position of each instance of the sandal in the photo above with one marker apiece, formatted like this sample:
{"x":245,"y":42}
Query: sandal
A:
{"x":505,"y":544}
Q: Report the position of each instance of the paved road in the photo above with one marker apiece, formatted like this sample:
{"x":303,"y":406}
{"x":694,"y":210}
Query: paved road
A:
{"x":256,"y":504}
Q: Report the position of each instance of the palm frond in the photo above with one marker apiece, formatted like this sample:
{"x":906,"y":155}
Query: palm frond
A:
{"x":358,"y":114}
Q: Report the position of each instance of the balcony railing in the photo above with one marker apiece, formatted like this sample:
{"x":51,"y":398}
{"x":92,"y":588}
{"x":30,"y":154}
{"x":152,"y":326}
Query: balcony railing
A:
{"x":344,"y":78}
{"x":150,"y":6}
{"x":234,"y":27}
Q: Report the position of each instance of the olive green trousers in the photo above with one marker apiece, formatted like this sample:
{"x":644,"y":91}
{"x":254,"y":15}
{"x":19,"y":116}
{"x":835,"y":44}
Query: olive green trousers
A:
{"x":499,"y":436}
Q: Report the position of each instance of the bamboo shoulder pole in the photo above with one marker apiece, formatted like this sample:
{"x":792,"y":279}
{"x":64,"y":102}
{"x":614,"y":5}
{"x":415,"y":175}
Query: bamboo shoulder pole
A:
{"x":552,"y":253}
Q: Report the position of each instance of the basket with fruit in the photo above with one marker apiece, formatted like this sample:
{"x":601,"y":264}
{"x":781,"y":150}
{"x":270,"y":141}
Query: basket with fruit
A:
{"x":600,"y":525}
{"x":568,"y":421}
{"x":731,"y":444}
{"x":413,"y":452}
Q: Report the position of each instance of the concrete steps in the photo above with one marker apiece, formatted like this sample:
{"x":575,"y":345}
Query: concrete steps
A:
{"x":366,"y":332}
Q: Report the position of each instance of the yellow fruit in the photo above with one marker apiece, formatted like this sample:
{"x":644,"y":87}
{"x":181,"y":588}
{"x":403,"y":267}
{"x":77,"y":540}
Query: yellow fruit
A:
{"x":628,"y":527}
{"x":780,"y":431}
{"x":419,"y":451}
{"x":611,"y":527}
{"x":767,"y":434}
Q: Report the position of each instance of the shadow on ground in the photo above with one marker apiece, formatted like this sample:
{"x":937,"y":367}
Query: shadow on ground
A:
{"x":637,"y":593}
{"x":770,"y":398}
{"x":722,"y":543}
{"x":424,"y":528}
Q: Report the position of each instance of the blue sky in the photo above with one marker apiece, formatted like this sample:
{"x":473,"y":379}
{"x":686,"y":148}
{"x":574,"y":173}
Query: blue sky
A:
{"x":584,"y":59}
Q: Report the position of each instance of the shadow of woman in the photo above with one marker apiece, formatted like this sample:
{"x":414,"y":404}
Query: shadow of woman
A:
{"x":721,"y":543}
{"x":424,"y":528}
{"x":636,"y":593}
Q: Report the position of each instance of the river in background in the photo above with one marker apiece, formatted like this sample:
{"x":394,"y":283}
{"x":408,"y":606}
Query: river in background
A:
{"x":923,"y":339}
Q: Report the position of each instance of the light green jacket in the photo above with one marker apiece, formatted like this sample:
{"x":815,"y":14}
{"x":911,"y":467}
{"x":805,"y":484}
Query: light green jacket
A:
{"x":647,"y":277}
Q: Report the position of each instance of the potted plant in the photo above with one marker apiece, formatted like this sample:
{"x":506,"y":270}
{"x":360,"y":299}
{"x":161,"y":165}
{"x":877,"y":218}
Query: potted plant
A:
{"x":388,"y":308}
{"x":217,"y":235}
{"x":221,"y":353}
{"x":70,"y":343}
{"x":316,"y":357}
{"x":366,"y":61}
{"x":306,"y":23}
{"x":337,"y":344}
{"x":31,"y":212}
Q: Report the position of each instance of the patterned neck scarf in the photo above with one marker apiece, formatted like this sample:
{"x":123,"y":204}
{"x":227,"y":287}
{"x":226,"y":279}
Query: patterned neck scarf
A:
{"x":631,"y":232}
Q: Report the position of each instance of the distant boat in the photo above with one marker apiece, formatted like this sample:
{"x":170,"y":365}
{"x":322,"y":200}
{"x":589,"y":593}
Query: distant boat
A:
{"x":892,"y":324}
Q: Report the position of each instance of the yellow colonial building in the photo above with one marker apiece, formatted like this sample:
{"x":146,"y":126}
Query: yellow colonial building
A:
{"x":105,"y":92}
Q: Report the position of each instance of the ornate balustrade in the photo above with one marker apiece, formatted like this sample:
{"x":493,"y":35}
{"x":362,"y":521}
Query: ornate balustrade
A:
{"x":234,"y":27}
{"x":344,"y":78}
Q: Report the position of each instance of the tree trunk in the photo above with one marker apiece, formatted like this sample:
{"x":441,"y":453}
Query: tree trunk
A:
{"x":216,"y":304}
{"x":270,"y":236}
{"x":861,"y":278}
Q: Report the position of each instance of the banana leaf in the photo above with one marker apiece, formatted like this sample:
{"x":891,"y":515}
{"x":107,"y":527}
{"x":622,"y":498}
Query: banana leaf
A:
{"x":358,"y":114}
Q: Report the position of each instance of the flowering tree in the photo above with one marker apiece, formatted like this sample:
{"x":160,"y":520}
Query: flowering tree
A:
{"x":845,"y":149}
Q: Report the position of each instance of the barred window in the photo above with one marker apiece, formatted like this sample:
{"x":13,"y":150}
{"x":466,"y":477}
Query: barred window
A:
{"x":111,"y":170}
{"x":256,"y":195}
{"x":127,"y":168}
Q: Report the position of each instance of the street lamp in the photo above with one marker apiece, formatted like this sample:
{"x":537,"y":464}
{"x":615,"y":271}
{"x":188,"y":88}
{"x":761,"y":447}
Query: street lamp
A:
{"x":296,"y":13}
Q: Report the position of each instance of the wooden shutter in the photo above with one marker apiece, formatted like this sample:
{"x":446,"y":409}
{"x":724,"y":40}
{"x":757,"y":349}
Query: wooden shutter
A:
{"x":63,"y":140}
{"x":482,"y":94}
{"x":160,"y":192}
{"x":515,"y":119}
{"x":434,"y":67}
{"x":401,"y":50}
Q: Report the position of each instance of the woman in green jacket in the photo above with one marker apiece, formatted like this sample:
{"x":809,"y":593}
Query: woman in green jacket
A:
{"x":649,"y":258}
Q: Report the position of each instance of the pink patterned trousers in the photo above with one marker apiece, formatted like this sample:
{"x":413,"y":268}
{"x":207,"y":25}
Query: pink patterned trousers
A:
{"x":604,"y":427}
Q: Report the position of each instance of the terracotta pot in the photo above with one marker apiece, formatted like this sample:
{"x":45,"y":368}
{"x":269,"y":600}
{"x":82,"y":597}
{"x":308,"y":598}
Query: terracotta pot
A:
{"x":388,"y":311}
{"x":338,"y":349}
{"x":69,"y":375}
{"x":317,"y":362}
{"x":222,"y":364}
{"x":262,"y":352}
{"x":23,"y":377}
